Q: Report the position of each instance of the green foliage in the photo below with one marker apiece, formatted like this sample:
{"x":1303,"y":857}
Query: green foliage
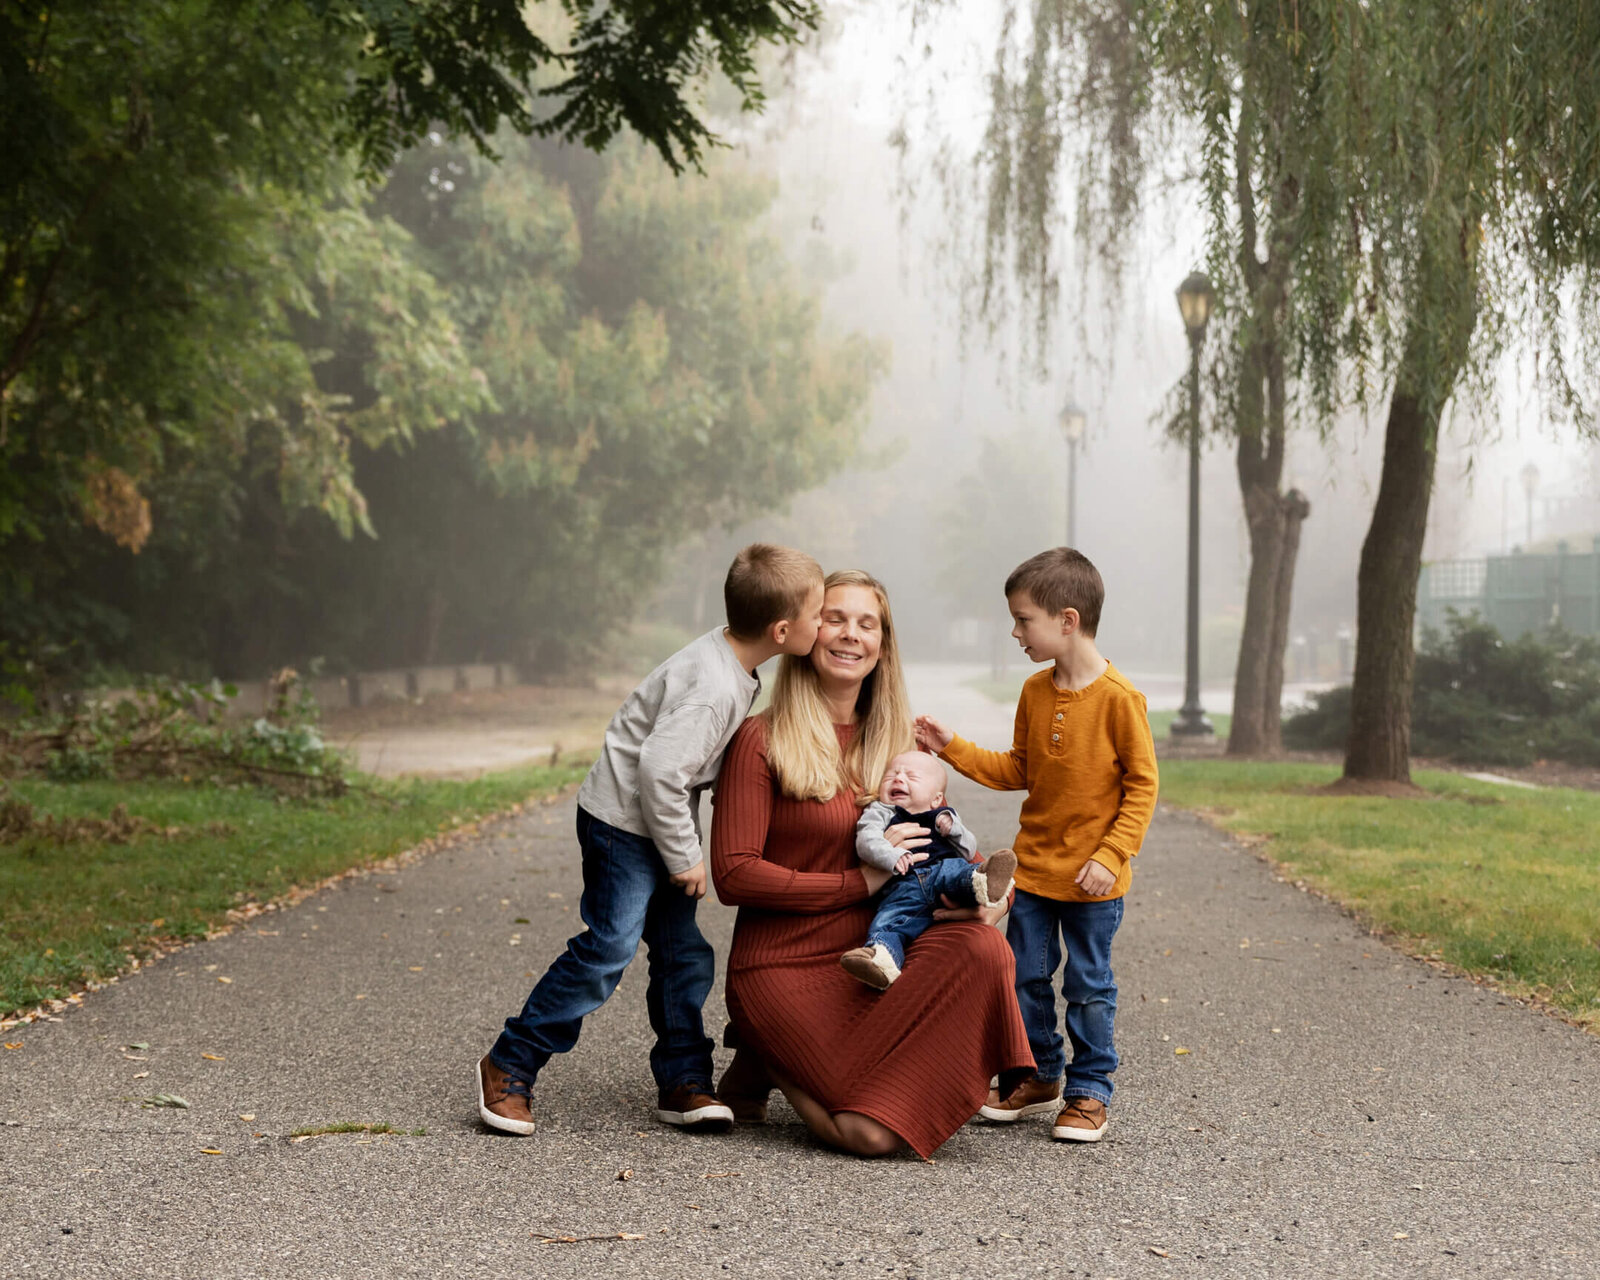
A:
{"x":1498,"y":882}
{"x":183,"y":856}
{"x":1480,"y":699}
{"x":651,"y":366}
{"x":204,"y":325}
{"x":171,"y":728}
{"x":472,"y":66}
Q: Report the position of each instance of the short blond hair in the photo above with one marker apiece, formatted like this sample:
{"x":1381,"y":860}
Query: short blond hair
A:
{"x":767,"y":583}
{"x":802,"y":747}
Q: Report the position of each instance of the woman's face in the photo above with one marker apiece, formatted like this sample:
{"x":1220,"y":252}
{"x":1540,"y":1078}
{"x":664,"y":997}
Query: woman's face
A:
{"x":850,"y":637}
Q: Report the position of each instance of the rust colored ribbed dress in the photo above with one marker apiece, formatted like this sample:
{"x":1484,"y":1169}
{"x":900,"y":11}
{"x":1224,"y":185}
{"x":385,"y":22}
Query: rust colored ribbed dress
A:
{"x":917,"y":1057}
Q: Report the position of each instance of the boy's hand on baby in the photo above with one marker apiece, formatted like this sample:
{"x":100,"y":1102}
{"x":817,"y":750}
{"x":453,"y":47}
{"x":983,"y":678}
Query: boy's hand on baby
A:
{"x":931,"y":735}
{"x":692,"y":881}
{"x":1096,"y":880}
{"x":906,"y":861}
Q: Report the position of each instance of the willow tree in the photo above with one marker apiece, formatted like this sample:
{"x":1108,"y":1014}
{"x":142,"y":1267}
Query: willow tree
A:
{"x":1120,"y":86}
{"x":1390,"y":193}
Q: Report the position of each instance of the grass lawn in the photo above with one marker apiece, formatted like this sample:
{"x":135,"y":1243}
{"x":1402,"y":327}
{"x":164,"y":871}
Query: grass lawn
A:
{"x":1495,"y":881}
{"x":1008,"y":689}
{"x":74,"y":912}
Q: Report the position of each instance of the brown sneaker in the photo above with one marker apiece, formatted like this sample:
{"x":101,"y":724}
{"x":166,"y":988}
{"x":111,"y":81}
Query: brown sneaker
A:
{"x":872,"y":965}
{"x":994,"y":879}
{"x":503,"y":1099}
{"x":1081,"y":1120}
{"x":690,"y":1107}
{"x":744,"y":1088}
{"x":1033,"y":1097}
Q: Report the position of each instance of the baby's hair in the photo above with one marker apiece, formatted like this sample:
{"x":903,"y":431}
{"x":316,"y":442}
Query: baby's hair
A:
{"x":1059,"y":579}
{"x":767,"y":583}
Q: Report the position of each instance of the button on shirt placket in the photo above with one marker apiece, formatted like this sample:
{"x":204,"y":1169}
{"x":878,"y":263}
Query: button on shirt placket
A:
{"x":1055,"y":731}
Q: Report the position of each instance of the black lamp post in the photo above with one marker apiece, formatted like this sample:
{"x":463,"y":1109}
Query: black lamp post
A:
{"x":1072,"y":424}
{"x":1194,"y":302}
{"x":1530,"y":485}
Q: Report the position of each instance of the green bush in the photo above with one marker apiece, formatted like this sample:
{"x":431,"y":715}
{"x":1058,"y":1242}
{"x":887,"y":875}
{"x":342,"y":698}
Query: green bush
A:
{"x":1481,"y":699}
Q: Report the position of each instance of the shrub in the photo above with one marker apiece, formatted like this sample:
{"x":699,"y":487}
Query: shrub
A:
{"x":1482,"y":699}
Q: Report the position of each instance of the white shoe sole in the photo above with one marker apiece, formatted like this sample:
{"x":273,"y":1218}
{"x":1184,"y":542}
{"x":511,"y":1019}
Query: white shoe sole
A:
{"x":520,"y":1127}
{"x":1066,"y":1133}
{"x":1000,"y":1116}
{"x":713,"y":1119}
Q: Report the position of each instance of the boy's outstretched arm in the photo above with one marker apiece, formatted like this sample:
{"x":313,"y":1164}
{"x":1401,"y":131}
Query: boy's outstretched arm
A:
{"x":998,"y":770}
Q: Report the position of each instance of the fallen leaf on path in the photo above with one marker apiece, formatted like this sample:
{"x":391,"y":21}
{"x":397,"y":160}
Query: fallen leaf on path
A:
{"x":213,"y":1057}
{"x":553,"y":895}
{"x":615,"y":1235}
{"x":167,"y":1100}
{"x":416,"y":968}
{"x":140,"y":1075}
{"x":138,"y":1044}
{"x":1179,"y":1051}
{"x":14,"y":1044}
{"x":220,"y":978}
{"x":211,"y":1151}
{"x":1160,"y":1253}
{"x":1402,"y":1235}
{"x":624,"y":1174}
{"x":720,"y":1175}
{"x":247,"y":1115}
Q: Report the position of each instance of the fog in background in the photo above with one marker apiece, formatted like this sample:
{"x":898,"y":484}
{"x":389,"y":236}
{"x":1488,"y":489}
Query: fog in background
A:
{"x":965,"y":472}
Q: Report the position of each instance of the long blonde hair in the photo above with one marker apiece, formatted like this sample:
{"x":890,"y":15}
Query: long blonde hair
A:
{"x":802,"y":747}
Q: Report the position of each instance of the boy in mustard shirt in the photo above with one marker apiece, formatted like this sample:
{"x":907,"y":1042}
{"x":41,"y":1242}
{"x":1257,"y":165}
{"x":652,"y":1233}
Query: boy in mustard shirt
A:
{"x":1082,"y":750}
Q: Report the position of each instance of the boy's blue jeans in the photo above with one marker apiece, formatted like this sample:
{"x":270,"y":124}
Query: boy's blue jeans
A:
{"x":906,"y":909}
{"x":627,"y":896}
{"x":1037,"y":930}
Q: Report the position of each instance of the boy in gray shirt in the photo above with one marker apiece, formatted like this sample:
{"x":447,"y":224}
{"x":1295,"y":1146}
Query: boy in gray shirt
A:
{"x":638,"y":827}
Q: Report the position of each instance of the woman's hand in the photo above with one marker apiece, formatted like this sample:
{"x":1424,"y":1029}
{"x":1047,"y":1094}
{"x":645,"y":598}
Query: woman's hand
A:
{"x":876,"y":877}
{"x":907,"y":835}
{"x":950,"y":911}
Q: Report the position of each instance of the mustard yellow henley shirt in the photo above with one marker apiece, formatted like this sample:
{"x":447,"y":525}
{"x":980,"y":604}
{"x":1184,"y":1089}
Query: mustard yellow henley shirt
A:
{"x":1088,"y":763}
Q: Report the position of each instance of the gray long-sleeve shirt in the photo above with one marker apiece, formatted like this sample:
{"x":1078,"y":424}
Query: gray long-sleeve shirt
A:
{"x":664,"y":747}
{"x":873,"y":847}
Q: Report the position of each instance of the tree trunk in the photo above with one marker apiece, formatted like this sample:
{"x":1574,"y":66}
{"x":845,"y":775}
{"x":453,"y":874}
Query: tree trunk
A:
{"x":1247,"y":734}
{"x":1442,"y":316}
{"x":1294,"y":509}
{"x":1386,"y":597}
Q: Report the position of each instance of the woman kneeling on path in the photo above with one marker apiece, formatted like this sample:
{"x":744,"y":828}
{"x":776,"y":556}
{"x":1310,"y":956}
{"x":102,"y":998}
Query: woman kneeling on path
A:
{"x":870,"y":1072}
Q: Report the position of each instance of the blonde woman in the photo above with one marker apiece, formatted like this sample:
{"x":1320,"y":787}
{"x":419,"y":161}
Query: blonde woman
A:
{"x":869,"y":1072}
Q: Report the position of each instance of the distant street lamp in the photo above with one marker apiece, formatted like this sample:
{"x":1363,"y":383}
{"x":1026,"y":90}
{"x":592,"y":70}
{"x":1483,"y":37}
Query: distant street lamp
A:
{"x":1530,"y":482}
{"x":1194,"y":302}
{"x":1072,"y":423}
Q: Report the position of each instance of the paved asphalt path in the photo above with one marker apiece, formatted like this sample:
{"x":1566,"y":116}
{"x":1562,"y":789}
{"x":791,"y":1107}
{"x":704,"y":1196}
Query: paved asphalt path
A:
{"x":1340,"y":1110}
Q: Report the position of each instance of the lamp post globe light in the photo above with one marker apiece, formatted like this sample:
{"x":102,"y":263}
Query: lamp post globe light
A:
{"x":1072,"y":421}
{"x":1194,"y":303}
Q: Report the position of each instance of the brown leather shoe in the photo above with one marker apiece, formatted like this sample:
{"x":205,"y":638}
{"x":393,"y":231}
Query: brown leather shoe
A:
{"x":744,"y":1088}
{"x":1081,"y":1120}
{"x":503,"y":1100}
{"x":1033,"y":1097}
{"x":691,"y":1107}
